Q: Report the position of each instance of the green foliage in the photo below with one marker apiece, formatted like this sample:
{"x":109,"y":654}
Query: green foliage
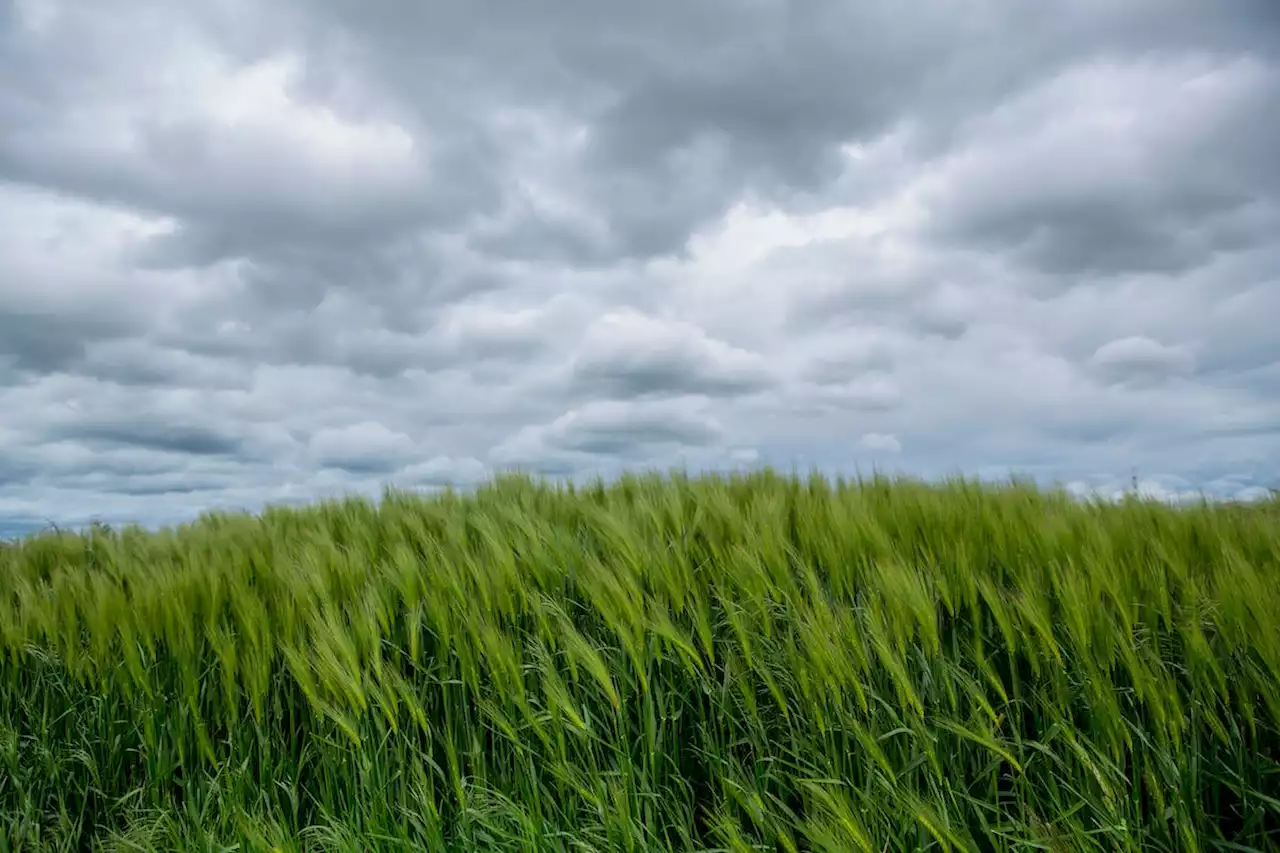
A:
{"x":736,"y":663}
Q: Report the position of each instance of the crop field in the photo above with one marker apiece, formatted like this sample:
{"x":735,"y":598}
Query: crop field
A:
{"x":750,"y":662}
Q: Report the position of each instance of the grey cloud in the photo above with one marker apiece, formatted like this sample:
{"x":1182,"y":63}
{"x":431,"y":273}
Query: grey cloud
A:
{"x":536,"y":238}
{"x":16,"y":471}
{"x":153,"y":472}
{"x":181,"y":485}
{"x":612,"y":428}
{"x":629,"y":354}
{"x":544,"y":463}
{"x":880,"y":442}
{"x":837,"y":369}
{"x":62,"y":459}
{"x":265,"y":166}
{"x":1142,"y":358}
{"x":172,"y":438}
{"x":280,"y":179}
{"x":363,"y":448}
{"x":44,"y":341}
{"x":782,"y":89}
{"x":443,"y":471}
{"x":136,"y":362}
{"x":1092,"y":238}
{"x":350,"y":329}
{"x":683,"y":107}
{"x":604,"y":431}
{"x":1238,"y":331}
{"x":867,"y":285}
{"x":686,"y":105}
{"x":930,"y":308}
{"x":868,"y":393}
{"x":72,"y":425}
{"x":1088,"y":192}
{"x":873,"y":284}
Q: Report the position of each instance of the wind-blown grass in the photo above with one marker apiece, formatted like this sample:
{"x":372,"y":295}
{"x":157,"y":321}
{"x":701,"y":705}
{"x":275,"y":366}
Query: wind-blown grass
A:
{"x":748,"y":662}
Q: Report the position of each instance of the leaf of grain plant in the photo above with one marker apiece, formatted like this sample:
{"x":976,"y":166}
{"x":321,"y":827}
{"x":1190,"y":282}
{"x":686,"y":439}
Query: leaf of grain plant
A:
{"x":982,"y":738}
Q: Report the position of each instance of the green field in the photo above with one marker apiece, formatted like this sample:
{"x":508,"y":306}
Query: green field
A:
{"x":667,"y":663}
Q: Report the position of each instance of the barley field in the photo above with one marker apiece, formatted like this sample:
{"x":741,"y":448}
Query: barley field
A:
{"x":749,"y":662}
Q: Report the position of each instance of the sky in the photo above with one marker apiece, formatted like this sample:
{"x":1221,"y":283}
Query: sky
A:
{"x":269,"y":252}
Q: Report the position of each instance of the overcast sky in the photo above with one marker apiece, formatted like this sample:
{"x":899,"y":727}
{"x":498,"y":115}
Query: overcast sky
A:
{"x":271,"y":251}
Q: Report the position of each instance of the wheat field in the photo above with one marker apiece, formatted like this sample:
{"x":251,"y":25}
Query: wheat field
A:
{"x":748,"y":662}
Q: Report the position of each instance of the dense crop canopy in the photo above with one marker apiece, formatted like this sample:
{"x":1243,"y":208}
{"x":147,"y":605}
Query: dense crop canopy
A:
{"x":753,"y":662}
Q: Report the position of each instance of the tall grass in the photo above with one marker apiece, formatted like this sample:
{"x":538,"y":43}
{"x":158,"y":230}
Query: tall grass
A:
{"x":738,"y":663}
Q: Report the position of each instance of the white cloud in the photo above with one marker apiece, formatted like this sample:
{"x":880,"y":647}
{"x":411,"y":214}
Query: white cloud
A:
{"x":878,"y":442}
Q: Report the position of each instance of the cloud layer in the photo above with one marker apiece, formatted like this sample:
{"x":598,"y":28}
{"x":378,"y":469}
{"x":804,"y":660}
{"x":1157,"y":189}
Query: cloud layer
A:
{"x":261,"y":253}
